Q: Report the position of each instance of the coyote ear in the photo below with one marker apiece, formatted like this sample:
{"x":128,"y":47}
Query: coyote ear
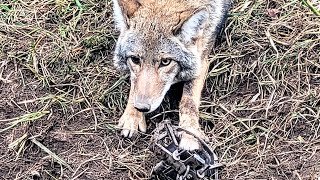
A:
{"x":123,"y":11}
{"x":192,"y":26}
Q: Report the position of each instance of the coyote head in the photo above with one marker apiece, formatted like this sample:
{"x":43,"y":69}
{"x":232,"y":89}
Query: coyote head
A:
{"x":159,"y":44}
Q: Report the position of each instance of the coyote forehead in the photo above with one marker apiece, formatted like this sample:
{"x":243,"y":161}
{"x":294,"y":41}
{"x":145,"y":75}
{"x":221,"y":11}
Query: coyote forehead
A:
{"x":163,"y":17}
{"x":156,"y":14}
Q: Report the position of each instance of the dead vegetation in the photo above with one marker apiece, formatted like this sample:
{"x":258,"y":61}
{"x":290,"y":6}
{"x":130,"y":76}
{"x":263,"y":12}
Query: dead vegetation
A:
{"x":60,"y":97}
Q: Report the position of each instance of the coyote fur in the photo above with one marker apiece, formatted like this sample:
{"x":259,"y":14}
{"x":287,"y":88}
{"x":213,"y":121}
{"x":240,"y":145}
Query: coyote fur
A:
{"x":163,"y":42}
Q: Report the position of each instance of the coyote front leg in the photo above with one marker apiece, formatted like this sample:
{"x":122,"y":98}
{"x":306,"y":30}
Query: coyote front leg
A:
{"x":189,"y":110}
{"x":132,"y":119}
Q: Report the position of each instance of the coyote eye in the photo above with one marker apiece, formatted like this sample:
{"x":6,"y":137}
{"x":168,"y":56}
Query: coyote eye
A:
{"x":165,"y":62}
{"x":134,"y":59}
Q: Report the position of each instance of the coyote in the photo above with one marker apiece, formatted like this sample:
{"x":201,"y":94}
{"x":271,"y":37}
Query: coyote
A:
{"x":163,"y":42}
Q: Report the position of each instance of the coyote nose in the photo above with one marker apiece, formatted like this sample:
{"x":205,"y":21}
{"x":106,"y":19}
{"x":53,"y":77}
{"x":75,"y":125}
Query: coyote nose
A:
{"x":142,"y":107}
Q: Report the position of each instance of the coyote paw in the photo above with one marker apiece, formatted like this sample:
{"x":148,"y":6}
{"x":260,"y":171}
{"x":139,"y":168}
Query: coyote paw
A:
{"x":131,"y":122}
{"x":189,"y":142}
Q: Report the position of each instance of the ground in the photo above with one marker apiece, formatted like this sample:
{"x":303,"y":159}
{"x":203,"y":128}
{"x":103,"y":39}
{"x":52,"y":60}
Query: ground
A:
{"x":61,"y":97}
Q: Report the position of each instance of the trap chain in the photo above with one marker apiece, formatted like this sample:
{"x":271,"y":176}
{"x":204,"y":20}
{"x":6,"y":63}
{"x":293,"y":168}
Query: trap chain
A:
{"x":179,"y":164}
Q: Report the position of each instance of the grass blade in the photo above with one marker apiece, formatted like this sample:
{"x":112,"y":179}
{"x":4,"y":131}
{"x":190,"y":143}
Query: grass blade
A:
{"x":53,"y":155}
{"x":25,"y":118}
{"x":311,"y":7}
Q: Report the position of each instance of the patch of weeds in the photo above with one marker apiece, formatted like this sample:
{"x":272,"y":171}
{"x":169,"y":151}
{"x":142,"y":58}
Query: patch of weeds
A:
{"x":95,"y":40}
{"x":64,"y":7}
{"x":5,"y":8}
{"x":63,"y":31}
{"x":19,"y":144}
{"x":311,"y":7}
{"x":53,"y":155}
{"x":251,"y":139}
{"x":23,"y":119}
{"x":79,"y":5}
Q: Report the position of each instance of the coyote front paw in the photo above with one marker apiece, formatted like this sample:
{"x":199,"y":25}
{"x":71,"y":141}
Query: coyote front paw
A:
{"x":189,"y":142}
{"x":130,"y":122}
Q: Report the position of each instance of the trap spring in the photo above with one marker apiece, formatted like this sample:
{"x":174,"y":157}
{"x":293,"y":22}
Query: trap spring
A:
{"x":178,"y":164}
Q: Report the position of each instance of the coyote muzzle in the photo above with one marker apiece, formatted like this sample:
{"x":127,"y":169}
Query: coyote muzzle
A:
{"x":151,"y":82}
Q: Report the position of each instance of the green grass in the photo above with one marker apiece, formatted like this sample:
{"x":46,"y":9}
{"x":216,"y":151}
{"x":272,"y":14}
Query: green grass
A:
{"x":27,"y":118}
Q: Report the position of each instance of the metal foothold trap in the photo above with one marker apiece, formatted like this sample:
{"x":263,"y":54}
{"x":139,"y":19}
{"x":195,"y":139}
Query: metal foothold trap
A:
{"x":178,"y":164}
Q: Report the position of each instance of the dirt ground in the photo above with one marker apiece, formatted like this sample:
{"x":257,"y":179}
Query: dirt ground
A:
{"x":61,"y":97}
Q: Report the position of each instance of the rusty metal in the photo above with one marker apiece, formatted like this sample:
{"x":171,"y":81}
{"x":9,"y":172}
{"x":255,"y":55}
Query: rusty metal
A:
{"x":178,"y":164}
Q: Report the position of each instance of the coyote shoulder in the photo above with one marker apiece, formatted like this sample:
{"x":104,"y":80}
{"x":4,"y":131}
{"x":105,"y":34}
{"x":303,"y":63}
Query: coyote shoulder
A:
{"x":163,"y":42}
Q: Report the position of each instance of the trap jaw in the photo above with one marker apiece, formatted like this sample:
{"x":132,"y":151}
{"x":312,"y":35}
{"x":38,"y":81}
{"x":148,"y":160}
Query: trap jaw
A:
{"x":178,"y":164}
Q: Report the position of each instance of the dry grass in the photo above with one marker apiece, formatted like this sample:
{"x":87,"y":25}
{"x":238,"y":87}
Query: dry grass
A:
{"x":60,"y":97}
